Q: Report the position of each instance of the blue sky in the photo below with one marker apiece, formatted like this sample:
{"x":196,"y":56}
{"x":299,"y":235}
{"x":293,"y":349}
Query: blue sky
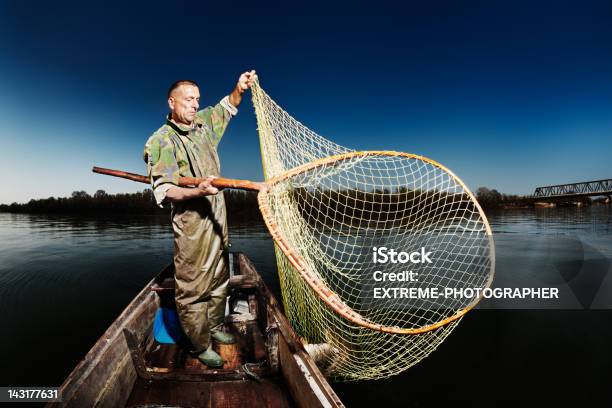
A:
{"x":509,"y":95}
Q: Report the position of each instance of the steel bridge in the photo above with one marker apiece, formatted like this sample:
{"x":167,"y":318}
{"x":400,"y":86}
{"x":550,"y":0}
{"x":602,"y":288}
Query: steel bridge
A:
{"x":584,"y":189}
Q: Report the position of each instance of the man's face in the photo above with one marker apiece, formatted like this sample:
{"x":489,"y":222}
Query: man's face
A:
{"x":184,"y":102}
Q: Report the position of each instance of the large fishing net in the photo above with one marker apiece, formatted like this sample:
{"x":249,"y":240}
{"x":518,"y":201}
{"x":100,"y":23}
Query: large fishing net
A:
{"x":367,"y":319}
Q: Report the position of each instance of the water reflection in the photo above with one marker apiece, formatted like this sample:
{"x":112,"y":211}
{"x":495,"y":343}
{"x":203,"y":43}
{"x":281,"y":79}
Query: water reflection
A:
{"x":590,"y":220}
{"x":63,"y":280}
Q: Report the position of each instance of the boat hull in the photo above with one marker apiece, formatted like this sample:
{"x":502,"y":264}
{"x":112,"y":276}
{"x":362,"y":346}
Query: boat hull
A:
{"x":269,"y":366}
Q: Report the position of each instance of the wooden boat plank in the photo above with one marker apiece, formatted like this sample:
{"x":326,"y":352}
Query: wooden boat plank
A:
{"x":266,"y":394}
{"x":172,"y":393}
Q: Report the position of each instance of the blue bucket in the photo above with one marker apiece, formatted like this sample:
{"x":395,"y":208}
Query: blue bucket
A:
{"x":167,"y":326}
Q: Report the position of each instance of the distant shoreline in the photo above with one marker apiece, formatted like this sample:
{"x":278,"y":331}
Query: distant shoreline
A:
{"x":240,"y":204}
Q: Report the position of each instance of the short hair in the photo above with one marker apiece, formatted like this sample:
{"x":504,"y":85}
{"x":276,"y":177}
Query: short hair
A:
{"x":179,"y":83}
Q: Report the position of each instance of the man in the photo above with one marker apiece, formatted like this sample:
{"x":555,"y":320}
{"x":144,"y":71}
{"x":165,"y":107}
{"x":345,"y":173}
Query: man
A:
{"x":186,"y":146}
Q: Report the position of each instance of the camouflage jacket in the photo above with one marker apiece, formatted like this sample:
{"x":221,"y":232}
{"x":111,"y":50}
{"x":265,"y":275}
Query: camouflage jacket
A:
{"x":175,"y":151}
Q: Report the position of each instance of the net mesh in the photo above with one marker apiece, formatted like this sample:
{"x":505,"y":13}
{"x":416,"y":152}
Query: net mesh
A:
{"x":336,"y":216}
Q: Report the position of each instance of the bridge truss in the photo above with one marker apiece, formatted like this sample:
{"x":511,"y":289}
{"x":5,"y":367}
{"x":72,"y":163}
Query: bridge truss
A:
{"x":587,"y":188}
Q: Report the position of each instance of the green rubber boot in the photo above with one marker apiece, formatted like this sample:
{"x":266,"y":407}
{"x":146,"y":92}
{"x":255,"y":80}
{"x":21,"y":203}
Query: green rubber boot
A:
{"x":211,"y":358}
{"x":222,"y":337}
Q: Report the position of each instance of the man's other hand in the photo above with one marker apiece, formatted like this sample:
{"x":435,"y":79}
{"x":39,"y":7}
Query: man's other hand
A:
{"x":207,"y":188}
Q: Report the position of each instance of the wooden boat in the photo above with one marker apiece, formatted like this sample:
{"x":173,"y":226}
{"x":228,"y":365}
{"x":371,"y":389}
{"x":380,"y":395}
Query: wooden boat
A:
{"x":268,"y":367}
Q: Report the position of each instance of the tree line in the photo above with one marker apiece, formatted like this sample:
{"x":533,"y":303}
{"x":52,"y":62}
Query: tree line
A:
{"x":489,"y":199}
{"x":240,"y":204}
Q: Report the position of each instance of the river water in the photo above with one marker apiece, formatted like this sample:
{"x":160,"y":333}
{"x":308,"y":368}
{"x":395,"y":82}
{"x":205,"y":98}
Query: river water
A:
{"x":63,"y":280}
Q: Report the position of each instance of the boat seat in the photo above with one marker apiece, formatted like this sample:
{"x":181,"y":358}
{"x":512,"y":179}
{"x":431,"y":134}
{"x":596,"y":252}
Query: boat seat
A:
{"x":167,"y":284}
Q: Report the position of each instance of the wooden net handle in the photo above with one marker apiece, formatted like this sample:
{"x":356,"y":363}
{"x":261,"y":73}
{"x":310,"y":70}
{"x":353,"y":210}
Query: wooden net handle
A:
{"x":219,"y":182}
